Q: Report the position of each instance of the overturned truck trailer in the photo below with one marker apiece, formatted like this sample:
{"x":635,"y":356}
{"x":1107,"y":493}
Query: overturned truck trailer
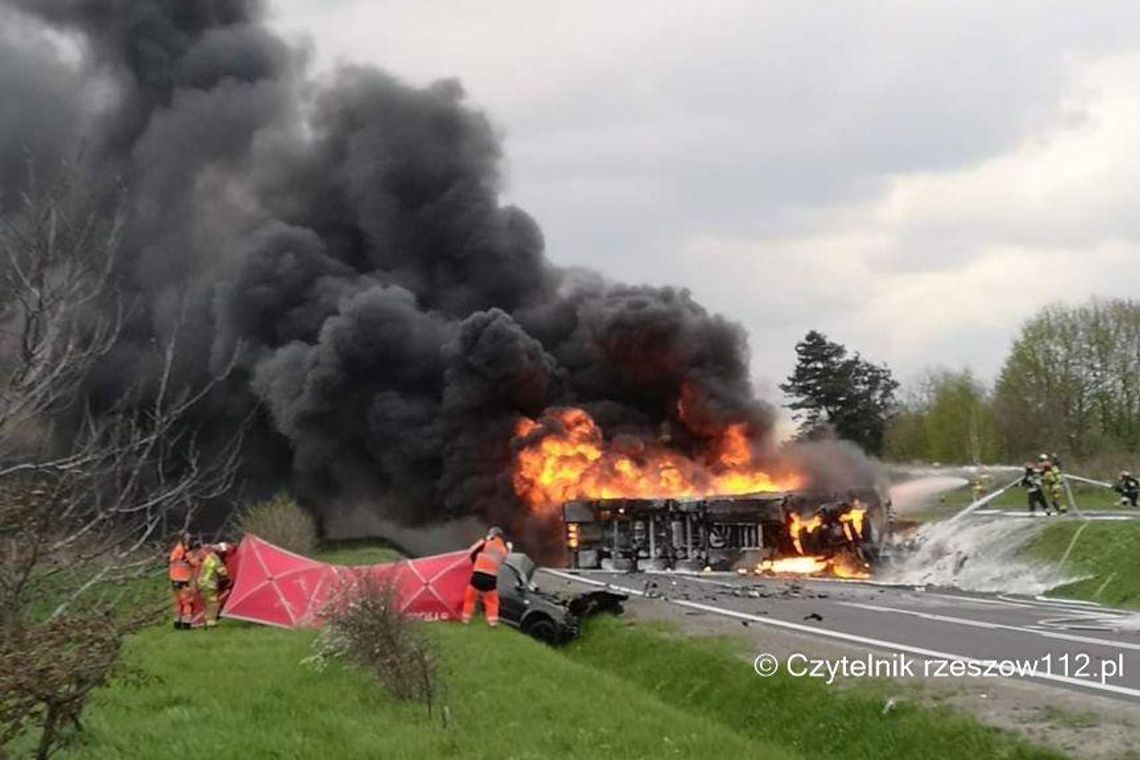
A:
{"x":802,"y":532}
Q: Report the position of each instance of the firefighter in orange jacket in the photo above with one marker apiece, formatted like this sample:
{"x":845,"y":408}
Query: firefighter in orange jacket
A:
{"x":488,"y":556}
{"x":182,"y":565}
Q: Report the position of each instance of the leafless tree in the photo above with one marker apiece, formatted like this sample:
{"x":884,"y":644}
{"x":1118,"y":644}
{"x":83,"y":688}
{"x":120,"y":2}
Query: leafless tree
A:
{"x":57,"y":255}
{"x":84,"y":494}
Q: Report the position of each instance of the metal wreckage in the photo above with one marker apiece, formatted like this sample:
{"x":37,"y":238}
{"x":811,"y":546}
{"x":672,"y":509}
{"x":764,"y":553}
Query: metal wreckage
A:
{"x":774,"y":533}
{"x":801,"y":533}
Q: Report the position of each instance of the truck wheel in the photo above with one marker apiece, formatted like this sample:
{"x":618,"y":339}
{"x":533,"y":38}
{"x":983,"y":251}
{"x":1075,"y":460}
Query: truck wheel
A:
{"x":542,"y":629}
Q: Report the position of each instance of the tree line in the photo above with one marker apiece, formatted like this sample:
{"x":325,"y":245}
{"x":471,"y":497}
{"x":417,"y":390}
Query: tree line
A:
{"x":1070,"y":383}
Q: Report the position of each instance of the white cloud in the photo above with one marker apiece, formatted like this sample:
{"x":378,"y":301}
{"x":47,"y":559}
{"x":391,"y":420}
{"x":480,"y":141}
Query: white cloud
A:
{"x":1073,"y":185}
{"x":944,"y":267}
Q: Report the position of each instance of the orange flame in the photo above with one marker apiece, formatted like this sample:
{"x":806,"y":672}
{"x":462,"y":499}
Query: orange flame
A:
{"x":799,"y":526}
{"x":846,"y":566}
{"x":852,"y":522}
{"x":565,"y":456}
{"x":793,"y":566}
{"x":839,"y":566}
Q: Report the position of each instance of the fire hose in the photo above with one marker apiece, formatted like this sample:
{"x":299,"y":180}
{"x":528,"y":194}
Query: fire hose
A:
{"x":1068,"y":495}
{"x":986,"y":499}
{"x":1100,"y":483}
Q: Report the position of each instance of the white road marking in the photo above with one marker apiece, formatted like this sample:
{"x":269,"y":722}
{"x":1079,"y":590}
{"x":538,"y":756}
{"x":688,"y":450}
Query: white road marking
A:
{"x":998,"y":602}
{"x":1067,"y":606}
{"x":1049,"y":634}
{"x":1082,"y":624}
{"x":1072,"y":606}
{"x":1024,"y":603}
{"x":1023,"y":514}
{"x":840,"y":635}
{"x":1066,"y":602}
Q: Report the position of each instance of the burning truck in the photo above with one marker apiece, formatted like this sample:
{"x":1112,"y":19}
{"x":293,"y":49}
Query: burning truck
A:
{"x":628,"y":503}
{"x":800,"y":533}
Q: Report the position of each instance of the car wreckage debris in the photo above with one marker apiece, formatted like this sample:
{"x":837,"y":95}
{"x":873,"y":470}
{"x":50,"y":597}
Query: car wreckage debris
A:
{"x":550,"y":618}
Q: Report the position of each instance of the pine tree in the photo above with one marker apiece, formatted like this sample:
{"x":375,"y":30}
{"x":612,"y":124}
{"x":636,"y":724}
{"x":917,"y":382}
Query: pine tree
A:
{"x":847,"y":393}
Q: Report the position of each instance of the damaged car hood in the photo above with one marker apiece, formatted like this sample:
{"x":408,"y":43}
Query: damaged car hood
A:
{"x":581,"y":605}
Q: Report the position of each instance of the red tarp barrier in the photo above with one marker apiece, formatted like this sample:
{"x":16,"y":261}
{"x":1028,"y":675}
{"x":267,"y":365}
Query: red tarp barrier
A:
{"x":431,"y":588}
{"x":277,"y":587}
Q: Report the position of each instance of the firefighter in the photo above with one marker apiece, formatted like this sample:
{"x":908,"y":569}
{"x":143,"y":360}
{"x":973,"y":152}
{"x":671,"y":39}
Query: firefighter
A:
{"x":212,"y":577}
{"x":980,"y":485}
{"x":1054,"y":483}
{"x":487,"y":556}
{"x":182,"y":564}
{"x":225,"y":582}
{"x":1031,"y":482}
{"x":1129,"y":489}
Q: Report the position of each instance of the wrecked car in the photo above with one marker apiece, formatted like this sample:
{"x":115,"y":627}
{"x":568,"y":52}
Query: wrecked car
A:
{"x":550,"y":618}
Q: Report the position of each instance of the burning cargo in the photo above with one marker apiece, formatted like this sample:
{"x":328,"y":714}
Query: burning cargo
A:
{"x":802,"y":533}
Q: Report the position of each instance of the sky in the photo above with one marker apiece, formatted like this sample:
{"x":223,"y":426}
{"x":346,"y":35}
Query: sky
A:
{"x":914,"y":180}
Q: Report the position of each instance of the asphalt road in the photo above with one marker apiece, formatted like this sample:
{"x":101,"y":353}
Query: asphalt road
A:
{"x":1079,"y":646}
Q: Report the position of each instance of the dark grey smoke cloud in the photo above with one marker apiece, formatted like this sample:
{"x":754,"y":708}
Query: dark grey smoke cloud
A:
{"x":345,"y":239}
{"x":43,"y":101}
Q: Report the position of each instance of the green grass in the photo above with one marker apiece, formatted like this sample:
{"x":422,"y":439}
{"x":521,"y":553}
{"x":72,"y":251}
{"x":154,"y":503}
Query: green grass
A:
{"x":241,"y":691}
{"x":47,"y":590}
{"x":1108,"y":553}
{"x":710,"y":678}
{"x":356,"y":553}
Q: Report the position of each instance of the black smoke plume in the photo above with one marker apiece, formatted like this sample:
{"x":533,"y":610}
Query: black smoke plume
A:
{"x":344,"y":238}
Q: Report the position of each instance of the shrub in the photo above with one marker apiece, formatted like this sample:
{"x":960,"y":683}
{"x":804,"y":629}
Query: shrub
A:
{"x":64,"y":613}
{"x":283,"y":522}
{"x":47,"y":672}
{"x":363,"y":626}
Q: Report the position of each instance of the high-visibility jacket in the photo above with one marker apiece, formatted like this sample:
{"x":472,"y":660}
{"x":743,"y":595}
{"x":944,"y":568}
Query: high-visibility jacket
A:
{"x":1053,"y":479}
{"x":490,"y":555}
{"x":180,"y":568}
{"x":212,"y":568}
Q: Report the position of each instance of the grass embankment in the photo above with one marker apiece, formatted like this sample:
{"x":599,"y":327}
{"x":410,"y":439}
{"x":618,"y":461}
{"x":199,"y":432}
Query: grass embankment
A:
{"x":709,"y":677}
{"x":241,"y":691}
{"x":621,"y":691}
{"x":1107,"y":553}
{"x":1093,"y":498}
